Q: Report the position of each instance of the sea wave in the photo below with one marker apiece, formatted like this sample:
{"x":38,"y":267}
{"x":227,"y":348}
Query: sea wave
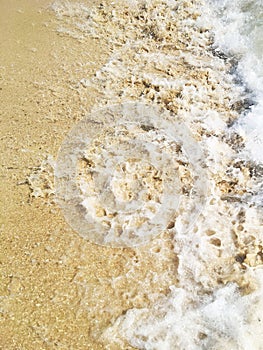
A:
{"x":201,"y":61}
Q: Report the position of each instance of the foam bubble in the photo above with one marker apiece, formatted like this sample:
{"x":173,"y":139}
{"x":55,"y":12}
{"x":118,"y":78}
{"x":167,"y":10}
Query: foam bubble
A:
{"x":127,"y":172}
{"x":237,"y":28}
{"x":215,"y":301}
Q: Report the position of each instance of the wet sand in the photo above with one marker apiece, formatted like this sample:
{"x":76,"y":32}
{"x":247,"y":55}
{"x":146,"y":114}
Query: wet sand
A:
{"x":38,"y":299}
{"x":37,"y":109}
{"x":57,"y":290}
{"x":55,"y":287}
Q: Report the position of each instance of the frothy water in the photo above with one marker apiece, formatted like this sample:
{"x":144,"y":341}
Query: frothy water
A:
{"x":238,"y":29}
{"x":203,"y":63}
{"x":126,"y":171}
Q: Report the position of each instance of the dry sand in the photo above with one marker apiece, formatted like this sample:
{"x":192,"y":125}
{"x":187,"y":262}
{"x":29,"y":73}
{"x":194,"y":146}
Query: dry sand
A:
{"x":55,"y":287}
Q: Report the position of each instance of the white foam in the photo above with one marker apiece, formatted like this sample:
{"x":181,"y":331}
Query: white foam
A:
{"x":217,"y":302}
{"x":238,"y":29}
{"x":122,"y":185}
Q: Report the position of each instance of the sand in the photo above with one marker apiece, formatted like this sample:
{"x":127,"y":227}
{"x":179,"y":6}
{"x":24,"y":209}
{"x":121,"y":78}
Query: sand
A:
{"x":54,"y":286}
{"x":58,"y":290}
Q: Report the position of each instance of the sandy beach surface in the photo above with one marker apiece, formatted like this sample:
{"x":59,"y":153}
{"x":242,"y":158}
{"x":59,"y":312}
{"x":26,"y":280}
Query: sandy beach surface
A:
{"x":38,"y":300}
{"x":60,"y":291}
{"x":45,"y":266}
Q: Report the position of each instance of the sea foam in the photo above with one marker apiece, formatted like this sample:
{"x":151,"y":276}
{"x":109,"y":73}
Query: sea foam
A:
{"x":200,"y":61}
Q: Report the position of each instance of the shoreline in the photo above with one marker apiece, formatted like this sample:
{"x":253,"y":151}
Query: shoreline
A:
{"x":59,"y":290}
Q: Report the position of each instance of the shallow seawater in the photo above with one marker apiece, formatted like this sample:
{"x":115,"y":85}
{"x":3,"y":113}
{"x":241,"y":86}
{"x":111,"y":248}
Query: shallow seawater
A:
{"x":202,"y":62}
{"x":238,"y":32}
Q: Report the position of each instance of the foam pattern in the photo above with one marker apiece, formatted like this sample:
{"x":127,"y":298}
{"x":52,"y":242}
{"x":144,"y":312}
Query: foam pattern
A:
{"x":127,"y":172}
{"x":169,"y":53}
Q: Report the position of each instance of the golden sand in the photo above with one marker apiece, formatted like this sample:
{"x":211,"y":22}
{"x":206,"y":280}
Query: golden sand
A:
{"x":57,"y":291}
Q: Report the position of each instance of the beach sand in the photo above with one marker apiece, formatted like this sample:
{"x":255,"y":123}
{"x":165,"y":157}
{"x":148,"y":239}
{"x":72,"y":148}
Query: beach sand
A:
{"x":60,"y":291}
{"x":55,"y":287}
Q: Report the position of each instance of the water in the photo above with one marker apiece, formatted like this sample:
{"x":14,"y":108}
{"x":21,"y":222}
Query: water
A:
{"x":203,"y":63}
{"x":142,"y":194}
{"x":238,"y":29}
